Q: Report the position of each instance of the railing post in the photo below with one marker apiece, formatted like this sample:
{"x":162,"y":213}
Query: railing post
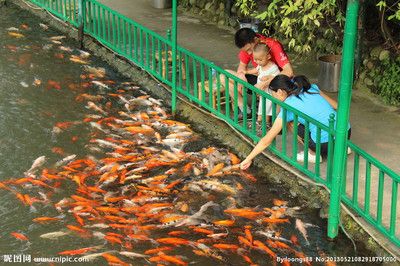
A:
{"x":345,"y":86}
{"x":81,"y":19}
{"x":174,"y":48}
{"x":330,"y":148}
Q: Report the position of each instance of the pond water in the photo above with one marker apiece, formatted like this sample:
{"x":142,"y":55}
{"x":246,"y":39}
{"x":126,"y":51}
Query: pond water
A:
{"x":142,"y":188}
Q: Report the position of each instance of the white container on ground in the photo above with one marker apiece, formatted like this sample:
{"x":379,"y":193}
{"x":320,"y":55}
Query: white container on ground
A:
{"x":329,"y":72}
{"x":162,"y":4}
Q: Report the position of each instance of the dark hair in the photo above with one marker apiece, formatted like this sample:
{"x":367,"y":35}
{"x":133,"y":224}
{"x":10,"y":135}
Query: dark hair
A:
{"x":294,"y":86}
{"x":244,"y":36}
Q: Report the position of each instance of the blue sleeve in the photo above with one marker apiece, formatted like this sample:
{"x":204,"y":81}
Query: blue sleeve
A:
{"x":289,"y":116}
{"x":314,"y":88}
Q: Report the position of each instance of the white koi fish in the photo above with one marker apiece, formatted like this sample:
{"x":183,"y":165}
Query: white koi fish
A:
{"x":37,"y":163}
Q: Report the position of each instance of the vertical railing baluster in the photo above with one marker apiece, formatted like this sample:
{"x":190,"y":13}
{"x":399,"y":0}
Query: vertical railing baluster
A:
{"x":318,"y":152}
{"x":118,"y":47}
{"x":329,"y":159}
{"x":147,"y":49}
{"x":235,"y":101}
{"x":114,"y":29}
{"x":130,"y":46}
{"x":218,"y":81}
{"x":244,"y":94}
{"x":195,"y":85}
{"x":227,"y":98}
{"x":142,"y":47}
{"x":109,"y":26}
{"x":393,"y":209}
{"x":380,"y":197}
{"x":306,"y":143}
{"x":187,"y":67}
{"x":294,"y":140}
{"x":99,"y":22}
{"x":202,"y":79}
{"x":263,"y":114}
{"x":135,"y":44}
{"x":210,"y":86}
{"x":254,"y":113}
{"x":124,"y":36}
{"x":153,"y":53}
{"x":284,"y":130}
{"x":274,"y":115}
{"x":367,"y":187}
{"x":104,"y":24}
{"x":355,"y":178}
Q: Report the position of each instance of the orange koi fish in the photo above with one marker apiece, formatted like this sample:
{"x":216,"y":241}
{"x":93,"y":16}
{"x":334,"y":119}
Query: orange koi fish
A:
{"x":15,"y":34}
{"x":76,"y":251}
{"x":57,"y":150}
{"x":19,"y":236}
{"x":234,"y":158}
{"x":79,"y":219}
{"x":173,"y":184}
{"x":216,"y":169}
{"x":172,"y":259}
{"x":76,"y":229}
{"x":51,"y":84}
{"x":113,"y":259}
{"x":249,"y":214}
{"x":157,"y":250}
{"x":96,"y":189}
{"x":45,"y":219}
{"x":113,"y":239}
{"x":278,"y":202}
{"x":245,"y":241}
{"x":177,"y":233}
{"x":248,"y":235}
{"x":203,"y":231}
{"x":59,"y":55}
{"x":3,"y":186}
{"x":226,"y":246}
{"x":264,"y":248}
{"x":248,"y":176}
{"x":247,"y":259}
{"x":275,"y":220}
{"x":294,"y":240}
{"x":173,"y":241}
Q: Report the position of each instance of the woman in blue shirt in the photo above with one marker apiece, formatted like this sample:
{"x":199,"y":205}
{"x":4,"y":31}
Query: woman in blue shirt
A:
{"x":308,"y":99}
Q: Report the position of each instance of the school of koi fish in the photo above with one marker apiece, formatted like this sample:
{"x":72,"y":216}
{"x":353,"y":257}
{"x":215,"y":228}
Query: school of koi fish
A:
{"x":141,"y":195}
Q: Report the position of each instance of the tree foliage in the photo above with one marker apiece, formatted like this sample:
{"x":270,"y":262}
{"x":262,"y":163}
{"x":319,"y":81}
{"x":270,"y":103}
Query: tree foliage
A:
{"x":306,"y":25}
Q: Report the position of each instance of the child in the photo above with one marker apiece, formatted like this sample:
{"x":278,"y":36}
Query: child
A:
{"x":265,"y":71}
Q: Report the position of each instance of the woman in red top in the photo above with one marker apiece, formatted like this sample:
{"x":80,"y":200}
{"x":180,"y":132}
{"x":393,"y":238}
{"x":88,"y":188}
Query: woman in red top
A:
{"x":245,"y":40}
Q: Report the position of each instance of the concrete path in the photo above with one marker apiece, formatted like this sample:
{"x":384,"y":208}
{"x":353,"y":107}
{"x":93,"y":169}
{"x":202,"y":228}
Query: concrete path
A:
{"x":375,"y":128}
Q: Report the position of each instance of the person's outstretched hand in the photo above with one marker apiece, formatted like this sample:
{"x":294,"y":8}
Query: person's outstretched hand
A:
{"x":245,"y":164}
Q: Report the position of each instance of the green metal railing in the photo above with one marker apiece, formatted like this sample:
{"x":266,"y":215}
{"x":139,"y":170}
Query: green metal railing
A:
{"x":217,"y":90}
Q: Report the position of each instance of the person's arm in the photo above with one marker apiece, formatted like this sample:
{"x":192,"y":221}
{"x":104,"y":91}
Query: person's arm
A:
{"x":263,"y":143}
{"x":287,"y":70}
{"x":280,"y":57}
{"x":242,"y":68}
{"x":252,"y":71}
{"x":331,"y":101}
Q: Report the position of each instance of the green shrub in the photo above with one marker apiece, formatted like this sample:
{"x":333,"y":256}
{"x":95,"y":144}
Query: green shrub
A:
{"x":389,"y":82}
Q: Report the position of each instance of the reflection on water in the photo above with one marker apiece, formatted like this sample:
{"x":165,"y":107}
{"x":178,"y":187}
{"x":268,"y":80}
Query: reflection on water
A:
{"x":140,"y":182}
